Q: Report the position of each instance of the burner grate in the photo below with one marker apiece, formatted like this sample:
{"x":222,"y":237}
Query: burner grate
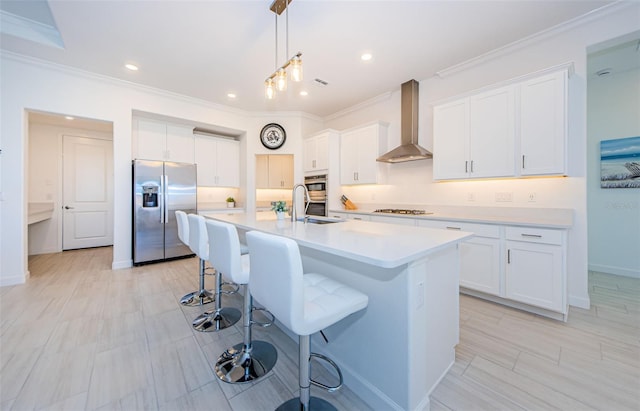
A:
{"x":399,"y":211}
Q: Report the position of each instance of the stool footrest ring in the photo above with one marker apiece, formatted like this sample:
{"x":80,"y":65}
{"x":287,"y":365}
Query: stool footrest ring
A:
{"x":235,"y":287}
{"x":335,"y":366}
{"x":266,"y":313}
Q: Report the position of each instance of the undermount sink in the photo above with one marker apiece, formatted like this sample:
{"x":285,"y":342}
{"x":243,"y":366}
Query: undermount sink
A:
{"x":322,"y":220}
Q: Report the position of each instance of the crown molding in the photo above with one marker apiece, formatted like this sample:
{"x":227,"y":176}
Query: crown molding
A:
{"x":535,"y":38}
{"x":28,"y":29}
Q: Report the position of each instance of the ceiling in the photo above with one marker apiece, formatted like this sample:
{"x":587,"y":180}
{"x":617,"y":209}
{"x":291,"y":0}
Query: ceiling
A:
{"x":207,"y":49}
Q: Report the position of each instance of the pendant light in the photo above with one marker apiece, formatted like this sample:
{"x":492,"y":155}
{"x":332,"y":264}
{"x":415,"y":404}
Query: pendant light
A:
{"x":277,"y":81}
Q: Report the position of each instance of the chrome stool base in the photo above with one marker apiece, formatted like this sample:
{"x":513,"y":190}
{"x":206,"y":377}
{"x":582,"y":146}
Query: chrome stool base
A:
{"x":315,"y":404}
{"x":216,"y":320}
{"x":237,"y":365}
{"x":197,"y":298}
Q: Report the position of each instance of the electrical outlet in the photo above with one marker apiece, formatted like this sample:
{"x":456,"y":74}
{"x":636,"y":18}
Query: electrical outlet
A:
{"x":504,"y":197}
{"x":532,"y":197}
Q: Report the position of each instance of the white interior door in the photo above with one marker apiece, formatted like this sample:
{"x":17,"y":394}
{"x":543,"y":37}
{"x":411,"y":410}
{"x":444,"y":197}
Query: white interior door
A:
{"x":87,"y":192}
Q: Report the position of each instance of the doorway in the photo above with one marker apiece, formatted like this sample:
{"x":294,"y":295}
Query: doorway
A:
{"x":613,"y":104}
{"x":79,"y":150}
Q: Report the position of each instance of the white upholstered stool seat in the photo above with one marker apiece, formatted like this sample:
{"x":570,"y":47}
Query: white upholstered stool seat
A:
{"x":248,"y":360}
{"x":192,"y":238}
{"x":304,"y":303}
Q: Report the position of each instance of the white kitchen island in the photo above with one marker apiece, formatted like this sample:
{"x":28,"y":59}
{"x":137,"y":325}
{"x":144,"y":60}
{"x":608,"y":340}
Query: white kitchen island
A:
{"x":394,"y":352}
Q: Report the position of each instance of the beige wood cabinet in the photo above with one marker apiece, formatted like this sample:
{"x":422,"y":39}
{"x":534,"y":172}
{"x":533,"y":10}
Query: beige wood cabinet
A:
{"x":274,"y":171}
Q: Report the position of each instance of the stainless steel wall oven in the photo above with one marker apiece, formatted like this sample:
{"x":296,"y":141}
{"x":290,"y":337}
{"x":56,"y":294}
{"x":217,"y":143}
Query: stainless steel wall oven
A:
{"x":317,"y":186}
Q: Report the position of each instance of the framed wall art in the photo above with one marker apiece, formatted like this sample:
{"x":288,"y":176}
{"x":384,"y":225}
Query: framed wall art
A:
{"x":620,"y":163}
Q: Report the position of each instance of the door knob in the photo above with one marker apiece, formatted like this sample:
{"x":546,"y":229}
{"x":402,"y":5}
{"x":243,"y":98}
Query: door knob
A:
{"x":68,"y":208}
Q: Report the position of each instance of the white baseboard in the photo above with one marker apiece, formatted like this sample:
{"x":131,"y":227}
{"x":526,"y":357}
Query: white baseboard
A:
{"x":14,"y":280}
{"x":118,"y":265}
{"x":45,"y":251}
{"x":580,"y":302}
{"x":611,"y":269}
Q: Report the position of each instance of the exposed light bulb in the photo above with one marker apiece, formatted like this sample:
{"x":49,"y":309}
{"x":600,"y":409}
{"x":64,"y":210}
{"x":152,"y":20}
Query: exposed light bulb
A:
{"x":268,"y":89}
{"x":296,"y":69}
{"x":281,"y":80}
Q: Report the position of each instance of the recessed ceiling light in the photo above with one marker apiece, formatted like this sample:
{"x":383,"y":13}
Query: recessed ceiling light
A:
{"x":68,"y":117}
{"x":304,"y":93}
{"x":131,"y":67}
{"x":366,"y":57}
{"x":231,"y":95}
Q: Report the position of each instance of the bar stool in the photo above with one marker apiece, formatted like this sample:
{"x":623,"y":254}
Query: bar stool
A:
{"x":248,"y":360}
{"x":220,"y":257}
{"x":189,"y":226}
{"x":304,"y":303}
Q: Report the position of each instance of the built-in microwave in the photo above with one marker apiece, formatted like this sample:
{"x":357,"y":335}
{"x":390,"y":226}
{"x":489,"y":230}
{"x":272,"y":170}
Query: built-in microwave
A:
{"x":317,"y":187}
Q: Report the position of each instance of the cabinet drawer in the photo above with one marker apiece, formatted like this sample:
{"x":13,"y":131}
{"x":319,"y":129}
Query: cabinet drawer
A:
{"x":481,"y":230}
{"x":534,"y":235}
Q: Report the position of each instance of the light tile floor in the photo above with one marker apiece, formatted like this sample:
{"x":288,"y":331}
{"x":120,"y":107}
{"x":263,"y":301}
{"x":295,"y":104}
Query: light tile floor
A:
{"x":80,"y":336}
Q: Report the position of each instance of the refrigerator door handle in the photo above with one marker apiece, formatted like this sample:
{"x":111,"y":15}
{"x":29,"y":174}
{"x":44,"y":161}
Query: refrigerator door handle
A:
{"x":163,"y":198}
{"x":166,"y":198}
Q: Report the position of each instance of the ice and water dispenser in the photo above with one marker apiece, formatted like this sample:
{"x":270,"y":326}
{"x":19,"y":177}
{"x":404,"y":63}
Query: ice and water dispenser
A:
{"x":149,"y":196}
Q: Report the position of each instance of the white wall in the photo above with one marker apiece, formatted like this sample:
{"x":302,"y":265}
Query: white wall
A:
{"x":613,"y":112}
{"x":27,"y":84}
{"x":411,"y":183}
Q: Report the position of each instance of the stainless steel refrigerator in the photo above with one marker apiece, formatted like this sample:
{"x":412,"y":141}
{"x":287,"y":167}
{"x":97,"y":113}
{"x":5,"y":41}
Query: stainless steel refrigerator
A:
{"x":159,"y":189}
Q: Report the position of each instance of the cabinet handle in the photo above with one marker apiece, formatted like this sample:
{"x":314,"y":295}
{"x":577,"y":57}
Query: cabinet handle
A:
{"x":314,"y":163}
{"x":466,"y":166}
{"x":453,"y":228}
{"x":531,"y":235}
{"x":523,"y":161}
{"x":357,"y":218}
{"x":472,"y":166}
{"x":508,"y":256}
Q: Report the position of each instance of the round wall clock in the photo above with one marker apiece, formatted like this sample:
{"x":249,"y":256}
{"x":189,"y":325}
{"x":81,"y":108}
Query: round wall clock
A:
{"x":273,"y":136}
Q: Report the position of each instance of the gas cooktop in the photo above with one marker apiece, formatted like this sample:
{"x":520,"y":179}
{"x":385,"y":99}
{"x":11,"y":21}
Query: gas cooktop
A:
{"x":400,"y":211}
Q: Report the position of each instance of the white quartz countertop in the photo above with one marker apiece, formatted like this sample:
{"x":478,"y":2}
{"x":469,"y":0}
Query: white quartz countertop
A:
{"x":378,"y":244}
{"x":532,"y":217}
{"x":39,"y":211}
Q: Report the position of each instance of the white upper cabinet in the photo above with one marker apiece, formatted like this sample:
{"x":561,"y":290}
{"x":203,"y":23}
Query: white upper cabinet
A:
{"x":316,"y":153}
{"x":180,"y":144}
{"x":359,"y":149}
{"x":451,"y":140}
{"x":218,"y":161}
{"x":543,"y":125}
{"x":474,"y":136}
{"x":166,"y":142}
{"x":492,"y":133}
{"x":519,"y":129}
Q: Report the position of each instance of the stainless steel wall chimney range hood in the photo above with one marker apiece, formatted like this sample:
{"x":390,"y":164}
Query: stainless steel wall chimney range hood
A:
{"x":409,"y":150}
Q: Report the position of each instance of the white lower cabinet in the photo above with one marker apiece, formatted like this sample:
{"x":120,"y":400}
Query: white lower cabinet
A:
{"x":351,"y":216}
{"x":524,"y":267}
{"x":535,"y":270}
{"x":393,"y":220}
{"x":480,"y":267}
